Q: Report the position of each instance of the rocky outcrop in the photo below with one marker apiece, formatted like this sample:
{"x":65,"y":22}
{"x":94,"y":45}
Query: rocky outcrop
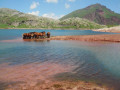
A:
{"x":112,"y":29}
{"x":15,"y":24}
{"x":31,"y":22}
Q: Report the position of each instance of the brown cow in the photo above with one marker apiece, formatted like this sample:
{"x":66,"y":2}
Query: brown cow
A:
{"x":40,"y":35}
{"x":32,"y":35}
{"x":24,"y":35}
{"x":43,"y":34}
{"x":48,"y":34}
{"x":29,"y":36}
{"x":36,"y":35}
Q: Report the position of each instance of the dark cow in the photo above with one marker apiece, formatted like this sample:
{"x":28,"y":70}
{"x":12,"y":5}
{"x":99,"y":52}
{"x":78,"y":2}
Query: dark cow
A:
{"x":48,"y":34}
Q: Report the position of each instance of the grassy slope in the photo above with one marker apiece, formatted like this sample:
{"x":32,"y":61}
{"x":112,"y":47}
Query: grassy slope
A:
{"x":81,"y":13}
{"x":80,"y":23}
{"x":14,"y":19}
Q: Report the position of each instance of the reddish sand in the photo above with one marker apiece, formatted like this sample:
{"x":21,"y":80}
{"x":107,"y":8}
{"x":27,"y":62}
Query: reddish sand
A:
{"x":105,"y":38}
{"x":108,"y":38}
{"x":31,"y":72}
{"x":38,"y":76}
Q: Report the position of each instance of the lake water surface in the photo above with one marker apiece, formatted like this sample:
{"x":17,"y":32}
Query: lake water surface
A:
{"x":22,"y":61}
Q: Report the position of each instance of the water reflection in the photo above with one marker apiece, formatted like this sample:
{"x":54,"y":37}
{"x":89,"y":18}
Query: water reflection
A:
{"x":42,"y":40}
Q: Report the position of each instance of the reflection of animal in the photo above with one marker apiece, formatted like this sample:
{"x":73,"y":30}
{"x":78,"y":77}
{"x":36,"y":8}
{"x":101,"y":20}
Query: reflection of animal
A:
{"x":48,"y":34}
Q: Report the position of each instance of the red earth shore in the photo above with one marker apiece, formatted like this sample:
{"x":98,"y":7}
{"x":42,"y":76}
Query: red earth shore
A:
{"x":104,"y":38}
{"x":89,"y":38}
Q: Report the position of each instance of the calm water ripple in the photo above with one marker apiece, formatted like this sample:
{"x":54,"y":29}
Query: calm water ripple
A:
{"x":89,"y":61}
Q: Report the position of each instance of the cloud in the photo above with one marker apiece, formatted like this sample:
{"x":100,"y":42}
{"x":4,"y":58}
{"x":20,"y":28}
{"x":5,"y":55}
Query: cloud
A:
{"x":34,"y":5}
{"x":34,"y":13}
{"x":71,"y":0}
{"x":52,"y":1}
{"x":67,"y":5}
{"x":52,"y":15}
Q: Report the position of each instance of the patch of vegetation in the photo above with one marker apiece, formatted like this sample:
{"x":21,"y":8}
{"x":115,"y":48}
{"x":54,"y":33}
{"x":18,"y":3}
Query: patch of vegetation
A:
{"x":78,"y":23}
{"x":109,"y":26}
{"x":57,"y":86}
{"x":22,"y":26}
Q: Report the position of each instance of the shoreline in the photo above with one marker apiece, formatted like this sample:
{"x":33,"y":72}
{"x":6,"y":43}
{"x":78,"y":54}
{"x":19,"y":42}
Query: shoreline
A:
{"x":91,"y":38}
{"x":47,"y":28}
{"x":115,"y":29}
{"x":87,"y":38}
{"x":112,"y":29}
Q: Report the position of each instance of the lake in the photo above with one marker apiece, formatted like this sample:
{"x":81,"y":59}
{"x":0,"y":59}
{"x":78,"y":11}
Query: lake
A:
{"x":22,"y":61}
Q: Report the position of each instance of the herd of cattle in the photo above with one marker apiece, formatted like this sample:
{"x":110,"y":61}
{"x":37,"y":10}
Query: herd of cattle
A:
{"x":36,"y":35}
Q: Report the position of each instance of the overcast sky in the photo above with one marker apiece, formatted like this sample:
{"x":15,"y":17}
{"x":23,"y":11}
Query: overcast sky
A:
{"x":55,"y":8}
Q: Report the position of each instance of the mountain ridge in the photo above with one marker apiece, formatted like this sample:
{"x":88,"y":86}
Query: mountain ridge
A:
{"x":97,"y":13}
{"x":10,"y":18}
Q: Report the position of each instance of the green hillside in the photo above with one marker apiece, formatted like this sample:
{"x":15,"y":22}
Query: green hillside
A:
{"x":97,"y":13}
{"x":15,"y":19}
{"x":10,"y":18}
{"x":80,"y":23}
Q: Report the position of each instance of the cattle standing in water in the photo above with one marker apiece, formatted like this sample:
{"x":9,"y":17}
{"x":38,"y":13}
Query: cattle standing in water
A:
{"x":40,"y":35}
{"x":48,"y":34}
{"x":43,"y":34}
{"x":32,"y":35}
{"x":25,"y":35}
{"x":36,"y":35}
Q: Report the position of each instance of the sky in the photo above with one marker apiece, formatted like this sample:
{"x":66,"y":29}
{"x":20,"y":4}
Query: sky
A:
{"x":55,"y":8}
